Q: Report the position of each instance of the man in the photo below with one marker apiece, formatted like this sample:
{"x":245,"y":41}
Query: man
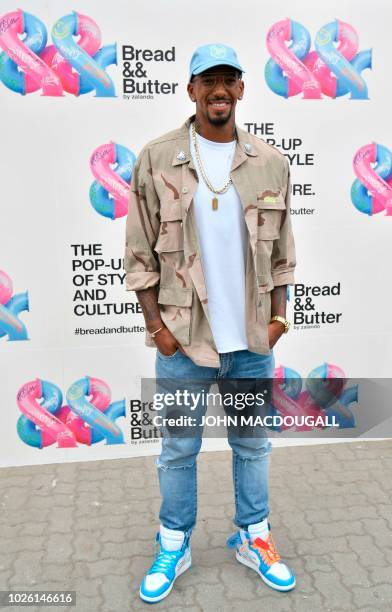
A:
{"x":210,"y":252}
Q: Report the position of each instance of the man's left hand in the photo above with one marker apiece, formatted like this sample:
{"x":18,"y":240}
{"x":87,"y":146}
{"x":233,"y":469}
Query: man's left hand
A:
{"x":275,"y":330}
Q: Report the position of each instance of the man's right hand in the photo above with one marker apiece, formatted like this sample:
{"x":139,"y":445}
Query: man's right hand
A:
{"x":166,"y":342}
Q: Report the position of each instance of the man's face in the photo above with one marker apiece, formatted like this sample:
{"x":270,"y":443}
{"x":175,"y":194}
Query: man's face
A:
{"x":216,"y":92}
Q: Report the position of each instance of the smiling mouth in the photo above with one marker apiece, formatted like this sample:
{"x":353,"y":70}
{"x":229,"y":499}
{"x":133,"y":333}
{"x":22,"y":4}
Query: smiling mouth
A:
{"x":221,"y":105}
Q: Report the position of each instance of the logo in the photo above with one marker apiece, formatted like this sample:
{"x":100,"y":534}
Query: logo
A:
{"x":269,"y":197}
{"x":10,"y":308}
{"x":77,"y":67}
{"x":109,"y":193}
{"x":330,"y":70}
{"x":371,"y":192}
{"x":142,"y":424}
{"x":217,"y":51}
{"x":137,"y":85}
{"x":46,"y":421}
{"x":307,"y":315}
{"x":324,"y":395}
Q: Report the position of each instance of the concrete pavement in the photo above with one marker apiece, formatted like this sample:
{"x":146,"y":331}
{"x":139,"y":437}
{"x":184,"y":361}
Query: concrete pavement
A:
{"x":90,"y":527}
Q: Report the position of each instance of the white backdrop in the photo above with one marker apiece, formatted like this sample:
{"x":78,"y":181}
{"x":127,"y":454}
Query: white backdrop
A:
{"x":47,"y":143}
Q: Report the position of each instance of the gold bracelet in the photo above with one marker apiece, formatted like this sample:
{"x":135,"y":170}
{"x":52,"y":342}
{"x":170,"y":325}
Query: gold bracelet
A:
{"x":154,"y":333}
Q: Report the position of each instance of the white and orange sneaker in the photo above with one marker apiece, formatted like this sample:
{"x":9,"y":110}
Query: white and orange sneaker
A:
{"x":260,"y":554}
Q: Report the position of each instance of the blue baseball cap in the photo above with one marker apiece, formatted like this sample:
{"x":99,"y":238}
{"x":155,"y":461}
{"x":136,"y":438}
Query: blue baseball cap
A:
{"x":208,"y":56}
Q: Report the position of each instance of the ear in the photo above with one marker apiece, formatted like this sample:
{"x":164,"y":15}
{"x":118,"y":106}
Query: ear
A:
{"x":242,"y":87}
{"x":191,"y":91}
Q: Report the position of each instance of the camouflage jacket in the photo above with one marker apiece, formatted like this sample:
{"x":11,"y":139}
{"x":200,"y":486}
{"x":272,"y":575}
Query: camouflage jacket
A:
{"x":162,"y":245}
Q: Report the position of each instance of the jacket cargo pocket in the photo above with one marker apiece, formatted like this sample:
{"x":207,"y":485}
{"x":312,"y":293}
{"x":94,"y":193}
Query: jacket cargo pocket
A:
{"x":271,"y":209}
{"x":175,"y":304}
{"x":170,"y":247}
{"x":175,"y":296}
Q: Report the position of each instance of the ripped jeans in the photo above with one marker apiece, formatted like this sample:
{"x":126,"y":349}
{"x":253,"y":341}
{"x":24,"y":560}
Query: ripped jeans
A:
{"x":250,"y":460}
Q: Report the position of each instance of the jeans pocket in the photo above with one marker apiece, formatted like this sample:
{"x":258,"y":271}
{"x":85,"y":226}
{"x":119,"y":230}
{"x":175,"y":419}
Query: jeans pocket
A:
{"x":167,"y":356}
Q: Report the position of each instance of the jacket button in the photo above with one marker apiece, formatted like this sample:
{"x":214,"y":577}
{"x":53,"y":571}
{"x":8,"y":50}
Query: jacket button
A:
{"x":184,"y":190}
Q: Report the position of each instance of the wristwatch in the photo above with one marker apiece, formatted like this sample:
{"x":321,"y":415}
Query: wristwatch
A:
{"x":285,"y":322}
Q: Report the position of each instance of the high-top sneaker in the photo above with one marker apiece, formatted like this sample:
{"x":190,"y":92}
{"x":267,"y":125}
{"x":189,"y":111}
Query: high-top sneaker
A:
{"x":168,"y":565}
{"x":260,"y":554}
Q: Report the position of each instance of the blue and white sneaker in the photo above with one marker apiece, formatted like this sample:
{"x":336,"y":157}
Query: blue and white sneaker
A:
{"x":168,"y":565}
{"x":262,"y":556}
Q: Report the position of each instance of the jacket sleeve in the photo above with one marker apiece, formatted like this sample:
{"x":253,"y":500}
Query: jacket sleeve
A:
{"x":142,"y":227}
{"x":283,"y":258}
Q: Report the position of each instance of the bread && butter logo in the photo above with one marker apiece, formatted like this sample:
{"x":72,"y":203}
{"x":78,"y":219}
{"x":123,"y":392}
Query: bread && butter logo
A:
{"x":307,"y":301}
{"x":137,"y":83}
{"x":142,"y":428}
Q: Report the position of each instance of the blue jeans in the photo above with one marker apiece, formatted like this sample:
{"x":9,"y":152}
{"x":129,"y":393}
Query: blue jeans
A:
{"x":177,"y":462}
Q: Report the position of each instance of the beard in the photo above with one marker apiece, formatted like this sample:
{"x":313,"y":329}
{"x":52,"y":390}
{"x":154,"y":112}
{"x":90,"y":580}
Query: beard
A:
{"x":220,"y":120}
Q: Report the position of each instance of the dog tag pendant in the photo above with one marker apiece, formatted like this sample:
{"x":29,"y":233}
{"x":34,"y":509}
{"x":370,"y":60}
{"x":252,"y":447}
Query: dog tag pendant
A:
{"x":214,"y":203}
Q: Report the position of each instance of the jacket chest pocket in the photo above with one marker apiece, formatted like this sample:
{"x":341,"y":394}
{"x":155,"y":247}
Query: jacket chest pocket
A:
{"x":271,"y":209}
{"x":171,"y":236}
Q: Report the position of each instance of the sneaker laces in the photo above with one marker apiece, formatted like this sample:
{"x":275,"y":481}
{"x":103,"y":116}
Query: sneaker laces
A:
{"x":164,"y":561}
{"x":267,"y":549}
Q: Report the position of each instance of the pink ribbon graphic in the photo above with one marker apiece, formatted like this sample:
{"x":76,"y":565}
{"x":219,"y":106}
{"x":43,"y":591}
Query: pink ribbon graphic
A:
{"x":37,"y":73}
{"x":51,"y":425}
{"x":109,"y":193}
{"x":325,"y":386}
{"x":379,"y":188}
{"x":300,"y":78}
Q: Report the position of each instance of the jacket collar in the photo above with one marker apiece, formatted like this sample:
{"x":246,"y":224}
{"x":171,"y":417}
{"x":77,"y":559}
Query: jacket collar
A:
{"x":182,"y":153}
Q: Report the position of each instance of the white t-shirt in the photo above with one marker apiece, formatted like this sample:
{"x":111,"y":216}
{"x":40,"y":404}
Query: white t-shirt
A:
{"x":223,"y":242}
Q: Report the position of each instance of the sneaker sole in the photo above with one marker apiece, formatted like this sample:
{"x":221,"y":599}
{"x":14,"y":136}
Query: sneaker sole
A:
{"x":165,"y":593}
{"x":274,"y":586}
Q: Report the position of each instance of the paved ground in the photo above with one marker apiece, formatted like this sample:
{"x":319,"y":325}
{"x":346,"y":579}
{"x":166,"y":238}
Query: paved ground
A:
{"x":89,"y":527}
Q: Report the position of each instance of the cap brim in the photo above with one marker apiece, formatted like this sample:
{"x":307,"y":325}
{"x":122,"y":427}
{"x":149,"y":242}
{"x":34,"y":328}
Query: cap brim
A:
{"x":212,"y":64}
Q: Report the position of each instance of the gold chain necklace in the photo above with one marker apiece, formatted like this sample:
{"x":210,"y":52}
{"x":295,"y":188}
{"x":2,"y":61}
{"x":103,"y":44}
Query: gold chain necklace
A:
{"x":204,"y":175}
